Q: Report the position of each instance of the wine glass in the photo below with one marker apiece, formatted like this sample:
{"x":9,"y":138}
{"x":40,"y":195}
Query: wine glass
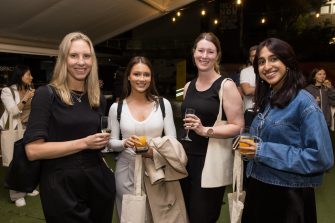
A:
{"x":105,"y":124}
{"x":187,"y":112}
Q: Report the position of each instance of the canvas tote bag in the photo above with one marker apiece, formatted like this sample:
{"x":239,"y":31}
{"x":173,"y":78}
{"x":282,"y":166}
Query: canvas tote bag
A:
{"x":8,"y":138}
{"x":236,"y":198}
{"x":134,"y":205}
{"x":218,"y":167}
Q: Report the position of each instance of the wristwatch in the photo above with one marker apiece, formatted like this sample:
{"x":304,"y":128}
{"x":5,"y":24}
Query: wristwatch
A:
{"x":210,"y":132}
{"x":23,"y":102}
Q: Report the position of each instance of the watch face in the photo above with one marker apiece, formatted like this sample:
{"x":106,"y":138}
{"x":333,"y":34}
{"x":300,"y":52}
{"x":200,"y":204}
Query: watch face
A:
{"x":210,"y":131}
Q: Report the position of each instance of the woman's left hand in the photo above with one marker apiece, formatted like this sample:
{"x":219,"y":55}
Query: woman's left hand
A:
{"x":149,"y":153}
{"x":194,"y":123}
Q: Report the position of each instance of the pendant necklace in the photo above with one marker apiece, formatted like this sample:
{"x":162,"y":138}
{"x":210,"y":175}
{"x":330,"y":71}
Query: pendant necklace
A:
{"x":77,"y":96}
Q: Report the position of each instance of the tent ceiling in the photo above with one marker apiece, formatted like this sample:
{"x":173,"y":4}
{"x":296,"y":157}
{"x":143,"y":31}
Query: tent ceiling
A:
{"x":37,"y":26}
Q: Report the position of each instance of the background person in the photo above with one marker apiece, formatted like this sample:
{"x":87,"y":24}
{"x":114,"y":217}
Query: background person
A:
{"x":204,"y":204}
{"x":140,"y":113}
{"x":323,"y":92}
{"x":19,"y":107}
{"x":248,"y":85}
{"x":295,"y":148}
{"x":64,"y":133}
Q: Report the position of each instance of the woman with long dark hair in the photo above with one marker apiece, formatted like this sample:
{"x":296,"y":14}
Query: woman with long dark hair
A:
{"x":323,"y":91}
{"x":142,"y":114}
{"x":17,"y":101}
{"x":294,"y":147}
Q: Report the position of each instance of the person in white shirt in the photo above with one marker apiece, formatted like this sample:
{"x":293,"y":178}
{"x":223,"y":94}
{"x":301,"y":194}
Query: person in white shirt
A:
{"x":16,"y":98}
{"x":248,"y":86}
{"x":141,"y":112}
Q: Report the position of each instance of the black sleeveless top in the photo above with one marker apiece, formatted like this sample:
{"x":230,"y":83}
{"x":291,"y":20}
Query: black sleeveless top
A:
{"x":206,"y":104}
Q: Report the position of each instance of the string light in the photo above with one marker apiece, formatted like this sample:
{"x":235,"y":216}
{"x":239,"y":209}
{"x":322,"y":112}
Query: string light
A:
{"x":178,"y":13}
{"x":263,"y":20}
{"x":203,"y":12}
{"x":216,"y":21}
{"x":239,"y":2}
{"x":317,"y":15}
{"x":173,"y":19}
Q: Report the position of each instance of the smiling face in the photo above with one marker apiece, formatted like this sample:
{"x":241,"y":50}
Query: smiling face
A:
{"x":271,"y":68}
{"x":139,"y":78}
{"x":79,"y":61}
{"x":205,"y":55}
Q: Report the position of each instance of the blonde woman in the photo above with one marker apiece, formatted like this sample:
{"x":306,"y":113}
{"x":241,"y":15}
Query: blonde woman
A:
{"x":63,"y":132}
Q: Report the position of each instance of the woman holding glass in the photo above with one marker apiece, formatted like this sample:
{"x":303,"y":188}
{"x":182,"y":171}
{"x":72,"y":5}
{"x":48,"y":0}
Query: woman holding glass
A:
{"x":17,"y":101}
{"x":202,"y":95}
{"x":295,"y":147}
{"x":141,"y":116}
{"x":64,"y":133}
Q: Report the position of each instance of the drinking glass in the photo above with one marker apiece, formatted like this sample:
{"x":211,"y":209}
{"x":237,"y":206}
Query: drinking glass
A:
{"x":141,"y":146}
{"x":105,"y":124}
{"x":187,"y":112}
{"x":248,"y":137}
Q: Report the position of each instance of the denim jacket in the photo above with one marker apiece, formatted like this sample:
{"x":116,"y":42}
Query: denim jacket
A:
{"x":295,"y":148}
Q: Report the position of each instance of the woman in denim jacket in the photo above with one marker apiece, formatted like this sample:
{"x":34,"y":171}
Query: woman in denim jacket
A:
{"x":294,"y":149}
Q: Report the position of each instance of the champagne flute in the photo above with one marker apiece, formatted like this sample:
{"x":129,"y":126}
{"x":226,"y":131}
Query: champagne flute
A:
{"x":188,"y":111}
{"x":105,"y":124}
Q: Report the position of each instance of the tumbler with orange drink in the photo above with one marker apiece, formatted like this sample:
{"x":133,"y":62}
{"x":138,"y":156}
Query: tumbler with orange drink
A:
{"x":141,"y":145}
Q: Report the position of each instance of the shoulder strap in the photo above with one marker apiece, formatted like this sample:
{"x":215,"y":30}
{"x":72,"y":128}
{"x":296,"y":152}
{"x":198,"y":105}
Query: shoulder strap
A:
{"x":161,"y":103}
{"x":119,"y":110}
{"x":12,"y":91}
{"x":118,"y":115}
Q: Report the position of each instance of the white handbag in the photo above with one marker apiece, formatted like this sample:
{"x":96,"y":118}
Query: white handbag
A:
{"x":8,"y":138}
{"x":134,"y":205}
{"x":236,"y":198}
{"x":218,"y":167}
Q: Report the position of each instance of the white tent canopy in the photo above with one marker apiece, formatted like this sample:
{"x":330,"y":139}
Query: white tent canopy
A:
{"x":37,"y":26}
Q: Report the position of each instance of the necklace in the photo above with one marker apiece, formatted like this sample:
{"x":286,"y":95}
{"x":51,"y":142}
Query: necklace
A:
{"x":77,"y":96}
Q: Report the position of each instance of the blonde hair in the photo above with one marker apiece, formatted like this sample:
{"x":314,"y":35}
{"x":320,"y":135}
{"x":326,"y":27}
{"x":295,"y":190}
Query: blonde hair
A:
{"x":60,"y":74}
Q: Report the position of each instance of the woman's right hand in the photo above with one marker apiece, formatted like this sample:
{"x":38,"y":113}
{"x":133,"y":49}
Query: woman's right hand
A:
{"x":29,"y":95}
{"x":247,"y":147}
{"x":130,"y":142}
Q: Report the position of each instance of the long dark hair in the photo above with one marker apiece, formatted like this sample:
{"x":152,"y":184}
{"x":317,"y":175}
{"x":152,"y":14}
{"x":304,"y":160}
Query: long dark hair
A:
{"x":292,"y":83}
{"x":18,"y":72}
{"x":311,"y":77}
{"x":151,"y":93}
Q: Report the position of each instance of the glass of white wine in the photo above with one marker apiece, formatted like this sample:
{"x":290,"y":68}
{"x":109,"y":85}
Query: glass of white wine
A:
{"x":105,"y":124}
{"x":187,"y":112}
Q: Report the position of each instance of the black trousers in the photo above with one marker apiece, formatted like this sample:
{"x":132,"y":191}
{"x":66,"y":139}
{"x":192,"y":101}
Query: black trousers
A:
{"x":83,"y":193}
{"x":266,"y":203}
{"x":203,"y":205}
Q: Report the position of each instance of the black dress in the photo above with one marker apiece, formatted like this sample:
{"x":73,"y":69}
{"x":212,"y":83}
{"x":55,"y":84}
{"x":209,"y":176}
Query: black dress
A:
{"x":202,"y":204}
{"x":77,"y":187}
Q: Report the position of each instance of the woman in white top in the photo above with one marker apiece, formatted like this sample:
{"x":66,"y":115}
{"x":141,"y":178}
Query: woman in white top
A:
{"x":140,"y":113}
{"x":16,"y":99}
